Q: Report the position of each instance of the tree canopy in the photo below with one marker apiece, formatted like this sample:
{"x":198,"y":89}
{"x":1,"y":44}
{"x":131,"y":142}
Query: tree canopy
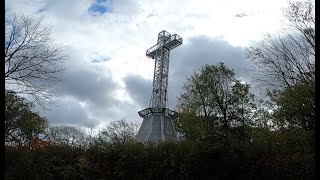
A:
{"x":21,"y":124}
{"x":216,"y":98}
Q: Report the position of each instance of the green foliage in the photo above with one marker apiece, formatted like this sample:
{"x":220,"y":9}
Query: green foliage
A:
{"x":296,"y":107}
{"x":31,"y":126}
{"x":166,"y":160}
{"x":15,"y":107}
{"x":44,"y":163}
{"x":190,"y":126}
{"x":21,"y":124}
{"x":213,"y":100}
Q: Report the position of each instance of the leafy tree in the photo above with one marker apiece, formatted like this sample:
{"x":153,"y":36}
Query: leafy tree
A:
{"x":189,"y":126}
{"x":21,"y":124}
{"x":66,"y":135}
{"x":261,"y":115}
{"x":32,"y":60}
{"x":217,"y":98}
{"x":31,"y":126}
{"x":296,"y":107}
{"x":15,"y":107}
{"x":118,"y":132}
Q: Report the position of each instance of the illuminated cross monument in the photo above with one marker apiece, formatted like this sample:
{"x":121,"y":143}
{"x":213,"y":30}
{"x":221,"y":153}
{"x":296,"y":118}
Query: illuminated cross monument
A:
{"x":157,"y":119}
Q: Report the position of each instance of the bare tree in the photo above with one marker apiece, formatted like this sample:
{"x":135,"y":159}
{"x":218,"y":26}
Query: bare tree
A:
{"x":32,"y":60}
{"x":66,"y":135}
{"x":90,"y":133}
{"x":119,"y":132}
{"x":288,"y":58}
{"x":286,"y":64}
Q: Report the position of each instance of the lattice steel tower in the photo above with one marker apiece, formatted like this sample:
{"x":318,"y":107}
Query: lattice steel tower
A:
{"x":157,"y":119}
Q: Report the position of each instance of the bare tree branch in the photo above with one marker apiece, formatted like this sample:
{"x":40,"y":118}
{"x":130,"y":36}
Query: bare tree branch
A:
{"x":288,"y":58}
{"x":32,"y":60}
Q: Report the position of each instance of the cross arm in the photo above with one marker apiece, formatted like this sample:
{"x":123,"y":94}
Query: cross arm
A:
{"x":151,"y":52}
{"x":174,"y":41}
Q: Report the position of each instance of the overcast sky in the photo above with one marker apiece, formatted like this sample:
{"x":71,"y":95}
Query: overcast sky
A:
{"x":108,"y":76}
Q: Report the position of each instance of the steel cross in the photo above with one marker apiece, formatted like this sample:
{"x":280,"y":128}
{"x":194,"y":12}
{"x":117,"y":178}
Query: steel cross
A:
{"x":161,"y":54}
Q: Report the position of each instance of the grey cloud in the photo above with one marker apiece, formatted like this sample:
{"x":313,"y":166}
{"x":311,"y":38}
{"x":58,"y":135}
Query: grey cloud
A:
{"x":126,"y":7}
{"x":86,"y":85}
{"x":127,"y":111}
{"x":82,"y":82}
{"x":241,"y":15}
{"x":69,"y":113}
{"x":200,"y":51}
{"x":183,"y":61}
{"x":85,"y":81}
{"x":139,"y":89}
{"x":152,"y":15}
{"x":95,"y":89}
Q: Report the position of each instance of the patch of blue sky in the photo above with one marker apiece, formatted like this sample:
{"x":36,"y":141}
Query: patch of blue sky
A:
{"x":101,"y":1}
{"x":100,"y":6}
{"x":95,"y":58}
{"x":41,"y":9}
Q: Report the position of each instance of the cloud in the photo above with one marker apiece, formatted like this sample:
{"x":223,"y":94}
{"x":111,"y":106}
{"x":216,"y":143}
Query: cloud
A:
{"x":87,"y":85}
{"x":183,"y":61}
{"x":198,"y":52}
{"x":87,"y":93}
{"x":139,"y":89}
{"x":69,"y":112}
{"x":109,"y":77}
{"x":241,"y":15}
{"x":204,"y":50}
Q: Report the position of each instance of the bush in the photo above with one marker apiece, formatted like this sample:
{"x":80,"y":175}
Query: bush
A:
{"x":166,"y":160}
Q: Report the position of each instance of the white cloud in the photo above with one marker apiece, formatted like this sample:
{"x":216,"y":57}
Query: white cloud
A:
{"x":122,"y":36}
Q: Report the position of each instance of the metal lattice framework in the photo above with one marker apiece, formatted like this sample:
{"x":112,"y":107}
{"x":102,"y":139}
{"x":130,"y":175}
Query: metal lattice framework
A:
{"x":161,"y":54}
{"x":157,"y":122}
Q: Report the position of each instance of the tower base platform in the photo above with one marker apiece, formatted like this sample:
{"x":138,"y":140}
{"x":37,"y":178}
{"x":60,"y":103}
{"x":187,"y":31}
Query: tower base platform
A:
{"x":157,"y":127}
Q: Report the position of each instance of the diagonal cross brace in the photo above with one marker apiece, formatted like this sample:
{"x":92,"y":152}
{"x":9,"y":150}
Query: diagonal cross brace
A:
{"x":161,"y":54}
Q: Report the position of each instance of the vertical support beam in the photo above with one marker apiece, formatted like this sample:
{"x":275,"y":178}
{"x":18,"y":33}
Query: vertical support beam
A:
{"x":157,"y":119}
